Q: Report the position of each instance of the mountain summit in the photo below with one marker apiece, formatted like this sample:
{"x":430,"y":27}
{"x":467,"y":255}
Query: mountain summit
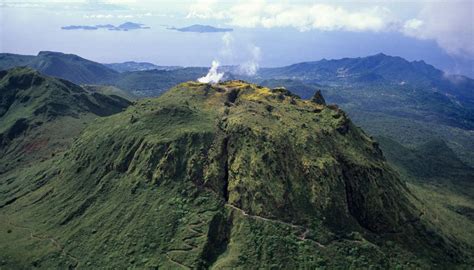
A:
{"x":231,"y":175}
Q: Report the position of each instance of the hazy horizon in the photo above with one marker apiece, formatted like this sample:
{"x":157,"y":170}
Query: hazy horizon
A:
{"x":266,"y":33}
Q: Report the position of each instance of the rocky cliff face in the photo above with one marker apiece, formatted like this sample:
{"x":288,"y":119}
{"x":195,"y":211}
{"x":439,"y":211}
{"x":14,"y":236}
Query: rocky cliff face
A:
{"x":227,"y":175}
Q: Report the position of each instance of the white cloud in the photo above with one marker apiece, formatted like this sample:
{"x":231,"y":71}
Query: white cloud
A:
{"x":450,"y":24}
{"x":118,"y":16}
{"x":260,"y":13}
{"x":98,"y":16}
{"x":125,"y":16}
{"x":413,"y":25}
{"x":22,"y":5}
{"x":204,"y":9}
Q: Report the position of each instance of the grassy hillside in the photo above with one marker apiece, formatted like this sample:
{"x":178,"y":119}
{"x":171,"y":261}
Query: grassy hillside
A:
{"x":414,"y":132}
{"x":39,"y":115}
{"x":110,"y":91}
{"x":65,"y":66}
{"x":410,"y":117}
{"x":442,"y":183}
{"x":144,"y":79}
{"x":378,"y":68}
{"x":432,"y":162}
{"x":226,"y":176}
{"x":152,"y":83}
{"x":10,"y":60}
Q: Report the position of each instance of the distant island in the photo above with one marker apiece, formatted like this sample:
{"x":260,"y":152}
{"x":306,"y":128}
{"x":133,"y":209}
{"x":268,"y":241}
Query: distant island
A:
{"x":199,"y":28}
{"x":123,"y":27}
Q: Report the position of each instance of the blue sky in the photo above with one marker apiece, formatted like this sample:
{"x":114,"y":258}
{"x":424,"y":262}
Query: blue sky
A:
{"x":266,"y":33}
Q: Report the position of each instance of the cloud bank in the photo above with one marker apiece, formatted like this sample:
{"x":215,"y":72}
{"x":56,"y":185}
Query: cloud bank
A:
{"x":449,"y":23}
{"x":304,"y":17}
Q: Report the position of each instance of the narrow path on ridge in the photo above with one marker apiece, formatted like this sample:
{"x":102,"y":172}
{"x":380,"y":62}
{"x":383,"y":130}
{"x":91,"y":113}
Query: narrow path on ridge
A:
{"x":301,"y":237}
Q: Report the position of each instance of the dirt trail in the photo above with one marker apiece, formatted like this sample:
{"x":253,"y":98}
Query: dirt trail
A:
{"x":176,"y":262}
{"x":187,"y":241}
{"x":39,"y":237}
{"x":301,"y":237}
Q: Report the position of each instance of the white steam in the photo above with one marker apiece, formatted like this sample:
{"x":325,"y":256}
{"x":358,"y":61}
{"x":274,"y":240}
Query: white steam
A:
{"x":248,"y":55}
{"x":251,"y":66}
{"x":212,"y":76}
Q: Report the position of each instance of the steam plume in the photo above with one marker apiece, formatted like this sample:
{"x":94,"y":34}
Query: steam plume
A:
{"x":212,"y":76}
{"x":251,"y":66}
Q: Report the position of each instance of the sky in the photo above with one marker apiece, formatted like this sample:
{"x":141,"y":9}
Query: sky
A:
{"x":266,"y":33}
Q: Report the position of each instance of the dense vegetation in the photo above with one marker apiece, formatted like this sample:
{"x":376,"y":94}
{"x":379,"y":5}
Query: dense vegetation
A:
{"x":410,"y":102}
{"x":231,"y":175}
{"x":39,"y":115}
{"x":66,"y":66}
{"x":151,"y":83}
{"x":138,"y":79}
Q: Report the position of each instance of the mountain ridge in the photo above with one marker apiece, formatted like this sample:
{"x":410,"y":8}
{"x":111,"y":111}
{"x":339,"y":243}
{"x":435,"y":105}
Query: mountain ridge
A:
{"x":66,"y":66}
{"x":445,"y":103}
{"x":33,"y":105}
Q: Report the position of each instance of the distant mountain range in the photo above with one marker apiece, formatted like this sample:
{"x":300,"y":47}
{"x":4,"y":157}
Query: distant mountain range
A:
{"x":378,"y":69}
{"x":66,"y":66}
{"x":199,"y":28}
{"x":151,"y":81}
{"x":137,"y":66}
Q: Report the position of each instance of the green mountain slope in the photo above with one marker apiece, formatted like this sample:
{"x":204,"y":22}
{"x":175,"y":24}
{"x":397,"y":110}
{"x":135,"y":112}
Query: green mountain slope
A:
{"x":387,"y":84}
{"x":412,"y":132}
{"x":66,"y":66}
{"x":39,"y":113}
{"x":10,"y":60}
{"x":432,"y":162}
{"x":378,"y":68}
{"x":441,"y":181}
{"x":152,"y":83}
{"x":226,"y":176}
{"x":138,"y":79}
{"x":411,"y":102}
{"x":110,"y":91}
